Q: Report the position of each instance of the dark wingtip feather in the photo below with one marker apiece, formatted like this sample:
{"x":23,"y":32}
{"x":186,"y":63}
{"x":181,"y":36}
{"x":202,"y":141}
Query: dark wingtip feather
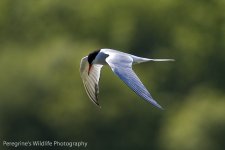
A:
{"x":97,"y":104}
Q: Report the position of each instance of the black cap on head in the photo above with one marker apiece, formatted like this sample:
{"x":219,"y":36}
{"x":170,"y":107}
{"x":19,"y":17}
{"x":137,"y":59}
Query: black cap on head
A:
{"x":92,"y":56}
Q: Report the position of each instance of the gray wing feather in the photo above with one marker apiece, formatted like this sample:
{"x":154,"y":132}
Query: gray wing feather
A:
{"x":122,"y":66}
{"x":90,"y":81}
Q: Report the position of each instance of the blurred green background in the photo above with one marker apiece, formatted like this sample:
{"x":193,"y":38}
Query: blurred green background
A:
{"x":42,"y":96}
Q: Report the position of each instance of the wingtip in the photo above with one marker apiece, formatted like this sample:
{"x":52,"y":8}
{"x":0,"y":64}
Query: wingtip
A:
{"x":154,"y":103}
{"x":160,"y":107}
{"x":98,"y":105}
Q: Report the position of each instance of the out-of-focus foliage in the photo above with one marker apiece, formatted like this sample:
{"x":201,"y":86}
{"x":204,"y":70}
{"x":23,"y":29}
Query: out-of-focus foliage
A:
{"x":203,"y":126}
{"x":42,"y":96}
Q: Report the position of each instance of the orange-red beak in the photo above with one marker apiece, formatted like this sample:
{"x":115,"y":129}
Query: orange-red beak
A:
{"x":89,"y":69}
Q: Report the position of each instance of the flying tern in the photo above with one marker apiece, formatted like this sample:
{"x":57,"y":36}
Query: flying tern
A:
{"x":121,"y":64}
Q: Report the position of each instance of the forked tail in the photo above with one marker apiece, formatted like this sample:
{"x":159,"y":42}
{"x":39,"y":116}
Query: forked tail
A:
{"x":161,"y":60}
{"x":141,"y":59}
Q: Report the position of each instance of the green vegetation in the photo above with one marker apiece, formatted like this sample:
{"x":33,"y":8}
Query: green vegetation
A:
{"x":42,"y":96}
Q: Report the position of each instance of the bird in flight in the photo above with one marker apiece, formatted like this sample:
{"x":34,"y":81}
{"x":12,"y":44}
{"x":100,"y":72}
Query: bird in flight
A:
{"x":121,"y":64}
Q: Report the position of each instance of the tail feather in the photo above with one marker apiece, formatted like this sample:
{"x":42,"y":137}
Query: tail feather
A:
{"x":161,"y":60}
{"x":141,"y":59}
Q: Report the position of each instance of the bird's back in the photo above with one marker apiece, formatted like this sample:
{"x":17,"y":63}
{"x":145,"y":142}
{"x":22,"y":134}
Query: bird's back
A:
{"x":136,"y":59}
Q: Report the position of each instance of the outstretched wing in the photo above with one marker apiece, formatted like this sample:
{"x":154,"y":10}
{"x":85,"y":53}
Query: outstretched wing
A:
{"x":122,"y":66}
{"x":90,"y":80}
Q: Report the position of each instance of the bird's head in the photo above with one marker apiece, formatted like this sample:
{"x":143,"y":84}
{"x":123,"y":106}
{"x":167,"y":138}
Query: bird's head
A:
{"x":91,"y":58}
